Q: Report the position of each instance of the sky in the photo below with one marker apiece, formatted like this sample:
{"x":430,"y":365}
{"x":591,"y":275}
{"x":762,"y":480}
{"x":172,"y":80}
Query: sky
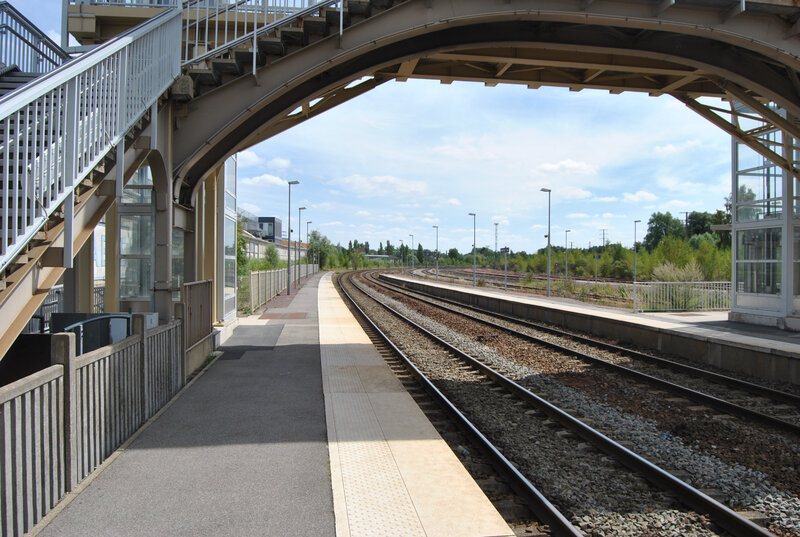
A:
{"x":410,"y":155}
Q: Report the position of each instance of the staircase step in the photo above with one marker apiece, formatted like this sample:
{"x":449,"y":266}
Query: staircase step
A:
{"x":225,"y":66}
{"x":271,"y":46}
{"x":292,"y":37}
{"x":359,"y":8}
{"x":315,"y":26}
{"x":332,"y":16}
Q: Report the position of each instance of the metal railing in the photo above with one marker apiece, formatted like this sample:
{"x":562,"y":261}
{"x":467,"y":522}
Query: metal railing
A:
{"x":215,"y":27}
{"x":198,"y":322}
{"x":26,"y":46}
{"x":61,"y":126}
{"x":125,"y":3}
{"x":682,"y":296}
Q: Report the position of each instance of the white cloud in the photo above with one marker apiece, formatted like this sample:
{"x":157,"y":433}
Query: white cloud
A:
{"x":612,"y":215}
{"x":566,"y":167}
{"x":335,"y":223}
{"x":430,"y":220}
{"x":325,"y":205}
{"x":639,"y":196}
{"x":278,"y":163}
{"x":250,"y":207}
{"x":605,"y":199}
{"x":362,"y":213}
{"x":266,"y":179}
{"x":669,"y":150}
{"x":678,"y":204}
{"x":454,"y":201}
{"x":380,"y":185}
{"x":247,"y":158}
{"x":573,"y":193}
{"x":578,"y":215}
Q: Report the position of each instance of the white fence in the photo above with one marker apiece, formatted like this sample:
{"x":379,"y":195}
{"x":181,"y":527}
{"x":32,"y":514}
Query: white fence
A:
{"x":58,"y":425}
{"x":682,"y":296}
{"x":258,"y":288}
{"x":53,"y":134}
{"x":24,"y":45}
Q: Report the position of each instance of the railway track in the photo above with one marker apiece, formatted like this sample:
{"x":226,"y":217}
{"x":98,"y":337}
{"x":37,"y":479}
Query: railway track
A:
{"x":761,"y":404}
{"x":588,"y":484}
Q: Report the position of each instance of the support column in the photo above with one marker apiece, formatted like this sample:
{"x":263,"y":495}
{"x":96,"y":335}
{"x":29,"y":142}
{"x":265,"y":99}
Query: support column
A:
{"x":160,"y":162}
{"x":112,"y":259}
{"x":210,"y":235}
{"x":79,"y":280}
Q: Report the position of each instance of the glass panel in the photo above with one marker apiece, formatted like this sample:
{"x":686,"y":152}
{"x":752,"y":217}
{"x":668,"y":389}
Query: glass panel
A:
{"x":134,"y":278}
{"x":230,"y":276}
{"x":136,"y":234}
{"x":139,"y":188}
{"x":758,"y":244}
{"x":177,"y":262}
{"x":142,"y":177}
{"x":762,"y":278}
{"x":746,"y":158}
{"x":761,"y":210}
{"x":230,"y":184}
{"x":230,"y":237}
{"x":766,"y":184}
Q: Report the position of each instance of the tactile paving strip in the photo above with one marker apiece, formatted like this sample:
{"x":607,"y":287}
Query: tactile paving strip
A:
{"x":377,"y":500}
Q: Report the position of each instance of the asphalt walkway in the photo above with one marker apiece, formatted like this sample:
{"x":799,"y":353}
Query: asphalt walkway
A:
{"x":231,"y":455}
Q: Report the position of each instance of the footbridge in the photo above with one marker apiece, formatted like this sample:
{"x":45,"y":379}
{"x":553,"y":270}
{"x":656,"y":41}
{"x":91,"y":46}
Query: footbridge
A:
{"x":178,"y":88}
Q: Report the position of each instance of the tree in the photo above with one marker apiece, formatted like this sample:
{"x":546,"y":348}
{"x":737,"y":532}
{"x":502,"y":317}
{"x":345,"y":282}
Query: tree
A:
{"x":453,"y":254}
{"x":380,"y":248}
{"x":389,"y":248}
{"x":241,"y":250}
{"x":420,"y":254}
{"x":660,"y":226}
{"x":698,"y":223}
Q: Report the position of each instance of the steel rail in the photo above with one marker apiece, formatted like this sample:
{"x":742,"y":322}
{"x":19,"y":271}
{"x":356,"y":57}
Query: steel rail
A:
{"x":543,"y":509}
{"x":751,"y":387}
{"x":690,"y":496}
{"x":700,"y":397}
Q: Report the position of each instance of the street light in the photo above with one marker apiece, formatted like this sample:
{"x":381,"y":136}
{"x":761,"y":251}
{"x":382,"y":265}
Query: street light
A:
{"x":474,"y":254}
{"x":437,"y":252}
{"x":309,"y":242}
{"x":402,"y":257}
{"x":297,"y":244}
{"x":505,"y":277}
{"x":412,"y":253}
{"x":635,"y":296}
{"x":548,"y":238}
{"x":289,"y":243}
{"x":566,"y":254}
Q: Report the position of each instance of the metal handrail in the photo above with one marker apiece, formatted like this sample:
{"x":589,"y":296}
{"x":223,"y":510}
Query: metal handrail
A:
{"x":78,"y":327}
{"x":24,"y":45}
{"x":249,"y":36}
{"x":54,"y":131}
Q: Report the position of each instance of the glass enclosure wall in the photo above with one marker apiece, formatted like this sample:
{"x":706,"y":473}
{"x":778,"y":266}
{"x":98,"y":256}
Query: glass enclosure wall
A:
{"x":766,"y":265}
{"x":227,"y":224}
{"x":136,"y":238}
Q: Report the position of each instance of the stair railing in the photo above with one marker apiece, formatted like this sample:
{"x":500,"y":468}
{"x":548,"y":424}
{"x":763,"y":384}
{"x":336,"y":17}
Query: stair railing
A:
{"x":54,"y":131}
{"x":214,"y":27}
{"x":26,"y":46}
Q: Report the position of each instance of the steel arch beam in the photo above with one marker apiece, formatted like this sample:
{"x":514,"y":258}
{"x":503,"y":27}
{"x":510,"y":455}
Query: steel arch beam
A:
{"x":679,"y":54}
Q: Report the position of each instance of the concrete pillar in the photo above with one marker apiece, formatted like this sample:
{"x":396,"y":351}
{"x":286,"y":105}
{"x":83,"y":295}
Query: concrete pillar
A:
{"x":210,"y":235}
{"x":160,"y":162}
{"x":79,"y":280}
{"x":112,"y":259}
{"x":62,"y":351}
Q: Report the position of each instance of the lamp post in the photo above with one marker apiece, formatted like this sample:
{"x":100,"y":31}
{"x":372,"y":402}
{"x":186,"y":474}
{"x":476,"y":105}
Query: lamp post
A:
{"x":474,"y":254}
{"x":402,"y":257}
{"x":548,"y":238}
{"x":289,"y":243}
{"x":635,"y":294}
{"x":437,"y":252}
{"x":412,"y":253}
{"x":566,"y":254}
{"x":308,"y":239}
{"x":297,"y":244}
{"x":505,"y":277}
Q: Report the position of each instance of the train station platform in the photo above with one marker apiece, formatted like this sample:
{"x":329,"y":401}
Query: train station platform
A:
{"x":298,"y":428}
{"x":707,"y":337}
